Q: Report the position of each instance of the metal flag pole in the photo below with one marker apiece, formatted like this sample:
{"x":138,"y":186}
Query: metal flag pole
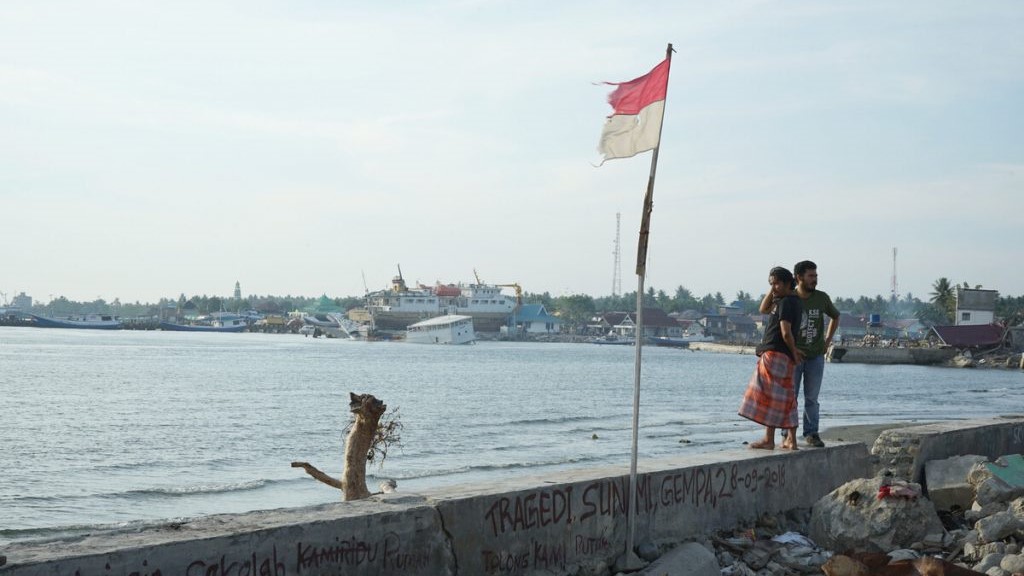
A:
{"x":641,"y":270}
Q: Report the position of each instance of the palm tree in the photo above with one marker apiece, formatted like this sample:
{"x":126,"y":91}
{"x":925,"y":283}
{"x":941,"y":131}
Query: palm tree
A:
{"x":944,"y":297}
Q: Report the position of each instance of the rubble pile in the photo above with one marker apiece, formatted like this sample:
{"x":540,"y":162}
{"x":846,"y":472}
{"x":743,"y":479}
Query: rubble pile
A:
{"x":970,"y":522}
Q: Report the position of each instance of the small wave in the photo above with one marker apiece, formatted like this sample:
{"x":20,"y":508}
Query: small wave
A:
{"x":498,"y":467}
{"x":532,"y":421}
{"x":212,"y":488}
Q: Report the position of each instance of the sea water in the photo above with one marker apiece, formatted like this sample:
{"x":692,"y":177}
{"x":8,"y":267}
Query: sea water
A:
{"x":113,"y":428}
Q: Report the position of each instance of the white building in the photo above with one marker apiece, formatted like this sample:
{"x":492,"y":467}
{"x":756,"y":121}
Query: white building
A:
{"x":975,"y":307}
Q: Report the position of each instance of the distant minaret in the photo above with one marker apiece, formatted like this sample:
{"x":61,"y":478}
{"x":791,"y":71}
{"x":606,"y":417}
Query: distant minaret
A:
{"x":238,"y":291}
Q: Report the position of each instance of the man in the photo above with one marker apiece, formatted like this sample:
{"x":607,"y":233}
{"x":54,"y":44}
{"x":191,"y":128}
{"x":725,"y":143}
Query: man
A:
{"x":813,"y":339}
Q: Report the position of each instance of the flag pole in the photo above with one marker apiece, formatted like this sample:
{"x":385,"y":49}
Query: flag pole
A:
{"x":641,"y":271}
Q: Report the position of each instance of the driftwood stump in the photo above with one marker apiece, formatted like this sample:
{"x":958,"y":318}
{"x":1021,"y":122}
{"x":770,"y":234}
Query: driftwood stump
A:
{"x":359,"y":445}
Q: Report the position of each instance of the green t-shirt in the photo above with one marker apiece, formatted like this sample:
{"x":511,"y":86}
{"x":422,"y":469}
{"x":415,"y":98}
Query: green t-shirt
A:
{"x":810,"y":337}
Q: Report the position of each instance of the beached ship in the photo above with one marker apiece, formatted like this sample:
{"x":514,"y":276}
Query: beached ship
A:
{"x":332,"y":325}
{"x":88,"y":321}
{"x":400,"y":306}
{"x":447,"y":329}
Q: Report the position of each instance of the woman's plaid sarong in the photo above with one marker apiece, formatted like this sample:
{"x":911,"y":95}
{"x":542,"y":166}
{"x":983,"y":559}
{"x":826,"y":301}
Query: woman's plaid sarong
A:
{"x":770,"y":398}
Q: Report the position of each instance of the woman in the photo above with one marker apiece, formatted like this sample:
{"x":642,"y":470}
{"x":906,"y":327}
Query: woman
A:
{"x":770,"y":399}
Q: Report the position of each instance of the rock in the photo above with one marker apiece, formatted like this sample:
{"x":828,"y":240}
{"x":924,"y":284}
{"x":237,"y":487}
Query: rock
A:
{"x":947,"y":481}
{"x":1013,"y":548}
{"x":689,"y":559}
{"x":903,"y":554}
{"x":1012,"y":563}
{"x":996,"y":571}
{"x":977,"y":511}
{"x":1017,"y":508}
{"x":977,"y":551}
{"x":988,"y":561}
{"x":997,"y":526}
{"x":852,"y":517}
{"x":648,"y":551}
{"x":995,"y":490}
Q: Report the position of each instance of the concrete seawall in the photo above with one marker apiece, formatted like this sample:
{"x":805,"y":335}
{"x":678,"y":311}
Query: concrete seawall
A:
{"x":549,"y":525}
{"x":872,"y":355}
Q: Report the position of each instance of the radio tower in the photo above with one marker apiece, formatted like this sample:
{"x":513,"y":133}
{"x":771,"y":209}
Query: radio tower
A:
{"x":617,"y":271}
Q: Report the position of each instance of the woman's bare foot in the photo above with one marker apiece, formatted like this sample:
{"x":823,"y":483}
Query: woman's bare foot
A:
{"x":789,"y":440}
{"x":763,"y":445}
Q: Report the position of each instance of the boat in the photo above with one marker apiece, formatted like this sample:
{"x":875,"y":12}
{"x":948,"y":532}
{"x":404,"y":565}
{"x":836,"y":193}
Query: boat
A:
{"x":218,"y":322}
{"x":447,"y":329}
{"x":682,"y":342}
{"x":398,"y":307}
{"x":612,"y":339}
{"x":332,"y":325}
{"x":89,"y":321}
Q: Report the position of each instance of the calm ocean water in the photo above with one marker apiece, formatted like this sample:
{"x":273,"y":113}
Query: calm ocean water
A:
{"x":115,"y":428}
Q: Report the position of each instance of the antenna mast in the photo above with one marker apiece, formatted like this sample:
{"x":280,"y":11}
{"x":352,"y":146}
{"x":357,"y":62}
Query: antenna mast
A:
{"x":895,"y":284}
{"x":617,"y":270}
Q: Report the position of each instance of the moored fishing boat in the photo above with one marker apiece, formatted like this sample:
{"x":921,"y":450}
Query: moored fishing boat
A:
{"x":88,"y":321}
{"x":219,"y":322}
{"x":447,"y":329}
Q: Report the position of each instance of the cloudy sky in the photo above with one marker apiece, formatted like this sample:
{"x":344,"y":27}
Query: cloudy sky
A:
{"x":151,"y":149}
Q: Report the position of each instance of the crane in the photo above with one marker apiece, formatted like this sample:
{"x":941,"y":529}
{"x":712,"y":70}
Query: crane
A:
{"x":519,"y":292}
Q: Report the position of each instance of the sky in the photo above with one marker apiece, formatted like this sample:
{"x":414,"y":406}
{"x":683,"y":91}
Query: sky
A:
{"x":311,"y":147}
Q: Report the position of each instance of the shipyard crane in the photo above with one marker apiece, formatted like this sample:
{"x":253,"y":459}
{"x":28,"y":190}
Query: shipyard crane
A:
{"x":519,"y":292}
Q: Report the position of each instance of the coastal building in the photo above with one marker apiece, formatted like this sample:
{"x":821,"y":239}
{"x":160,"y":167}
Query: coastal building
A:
{"x":534,"y":319}
{"x":975,"y":307}
{"x":716,"y":325}
{"x":741,"y":328}
{"x":656,"y":324}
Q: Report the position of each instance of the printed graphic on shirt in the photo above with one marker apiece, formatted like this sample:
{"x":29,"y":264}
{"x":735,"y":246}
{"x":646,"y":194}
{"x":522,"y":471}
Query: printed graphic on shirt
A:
{"x":810,"y":325}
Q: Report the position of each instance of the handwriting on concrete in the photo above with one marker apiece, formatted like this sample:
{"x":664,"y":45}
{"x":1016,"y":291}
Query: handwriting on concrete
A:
{"x":387,"y":553}
{"x":538,"y":556}
{"x":538,"y":509}
{"x":700,"y":486}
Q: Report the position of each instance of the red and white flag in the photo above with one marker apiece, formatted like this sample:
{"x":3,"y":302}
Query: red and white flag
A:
{"x":635,"y":125}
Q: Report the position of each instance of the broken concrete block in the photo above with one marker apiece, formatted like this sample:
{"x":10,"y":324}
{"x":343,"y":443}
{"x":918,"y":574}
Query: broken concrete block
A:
{"x":947,"y":481}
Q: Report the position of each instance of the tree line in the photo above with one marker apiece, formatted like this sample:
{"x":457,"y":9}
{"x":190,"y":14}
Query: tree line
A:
{"x":574,"y":310}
